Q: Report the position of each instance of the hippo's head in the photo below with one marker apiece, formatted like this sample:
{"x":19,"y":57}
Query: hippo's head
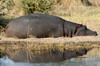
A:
{"x":84,"y":31}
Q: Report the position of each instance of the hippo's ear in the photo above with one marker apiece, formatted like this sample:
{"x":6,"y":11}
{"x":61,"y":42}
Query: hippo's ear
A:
{"x":77,"y":28}
{"x":85,"y":27}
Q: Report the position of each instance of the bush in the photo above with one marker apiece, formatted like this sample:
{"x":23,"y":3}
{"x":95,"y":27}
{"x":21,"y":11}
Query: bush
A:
{"x":4,"y":21}
{"x":36,"y":6}
{"x":5,"y":6}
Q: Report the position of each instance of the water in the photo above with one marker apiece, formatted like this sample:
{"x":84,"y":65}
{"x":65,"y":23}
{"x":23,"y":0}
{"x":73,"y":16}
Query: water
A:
{"x":92,"y":58}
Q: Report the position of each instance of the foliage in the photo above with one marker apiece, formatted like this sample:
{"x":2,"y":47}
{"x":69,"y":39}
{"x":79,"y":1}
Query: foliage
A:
{"x":5,"y":6}
{"x":36,"y":6}
{"x":4,"y":21}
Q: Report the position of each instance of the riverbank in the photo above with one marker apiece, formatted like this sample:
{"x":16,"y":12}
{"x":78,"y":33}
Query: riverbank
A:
{"x":49,"y":49}
{"x":23,"y":50}
{"x":62,"y":47}
{"x":52,"y":43}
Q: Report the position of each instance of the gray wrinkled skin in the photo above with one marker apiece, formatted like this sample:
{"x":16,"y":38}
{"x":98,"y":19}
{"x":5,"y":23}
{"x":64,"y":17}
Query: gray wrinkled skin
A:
{"x":44,"y":25}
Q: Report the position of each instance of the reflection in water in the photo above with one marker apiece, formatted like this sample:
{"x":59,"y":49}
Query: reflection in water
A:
{"x":45,"y":57}
{"x":92,"y":58}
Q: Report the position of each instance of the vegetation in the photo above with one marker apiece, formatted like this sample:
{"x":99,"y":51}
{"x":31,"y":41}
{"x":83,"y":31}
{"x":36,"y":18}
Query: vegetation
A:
{"x":42,"y":6}
{"x":36,"y":6}
{"x":5,"y":6}
{"x":86,"y":12}
{"x":73,"y":10}
{"x":38,"y":48}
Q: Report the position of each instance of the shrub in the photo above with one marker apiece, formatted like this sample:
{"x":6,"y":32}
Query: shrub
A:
{"x":36,"y":6}
{"x":5,"y":6}
{"x":4,"y":21}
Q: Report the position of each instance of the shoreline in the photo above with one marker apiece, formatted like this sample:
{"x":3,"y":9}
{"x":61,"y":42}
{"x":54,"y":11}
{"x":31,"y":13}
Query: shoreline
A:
{"x":14,"y":45}
{"x":82,"y":41}
{"x":33,"y":48}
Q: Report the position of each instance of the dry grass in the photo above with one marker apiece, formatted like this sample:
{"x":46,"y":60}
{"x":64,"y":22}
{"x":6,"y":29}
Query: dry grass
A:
{"x":88,"y":16}
{"x":72,"y":10}
{"x":59,"y":6}
{"x":29,"y":50}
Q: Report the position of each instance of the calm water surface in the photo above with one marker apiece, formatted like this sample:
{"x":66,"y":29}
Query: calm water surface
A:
{"x":92,"y":58}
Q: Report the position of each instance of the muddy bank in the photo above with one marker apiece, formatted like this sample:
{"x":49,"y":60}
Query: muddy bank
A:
{"x":30,"y":51}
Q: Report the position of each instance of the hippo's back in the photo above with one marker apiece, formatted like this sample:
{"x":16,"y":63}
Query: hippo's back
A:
{"x":39,"y":17}
{"x":34,"y":24}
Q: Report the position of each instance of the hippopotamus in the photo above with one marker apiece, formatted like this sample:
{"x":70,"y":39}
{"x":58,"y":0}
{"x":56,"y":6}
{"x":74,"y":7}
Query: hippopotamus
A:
{"x":45,"y":25}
